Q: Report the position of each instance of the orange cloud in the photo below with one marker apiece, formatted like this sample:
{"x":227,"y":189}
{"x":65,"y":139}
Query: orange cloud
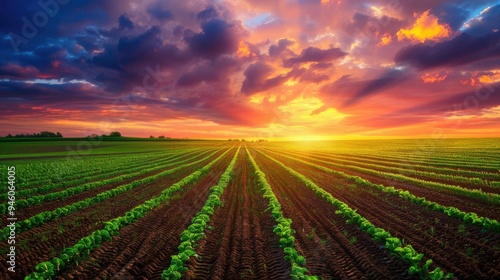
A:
{"x":385,"y":40}
{"x":475,"y":79}
{"x":433,"y":78}
{"x":426,"y":27}
{"x":244,"y":51}
{"x":326,"y":2}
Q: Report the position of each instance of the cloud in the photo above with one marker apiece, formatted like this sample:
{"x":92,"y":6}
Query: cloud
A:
{"x":487,"y":21}
{"x":208,"y":13}
{"x":425,"y":28}
{"x":218,"y":70}
{"x":434,"y":77}
{"x":159,"y":13}
{"x":370,"y":87}
{"x":238,"y":63}
{"x":313,"y":54}
{"x":218,"y":37}
{"x":124,"y":21}
{"x":256,"y":77}
{"x":280,"y":48}
{"x":385,"y":40}
{"x":460,"y":50}
{"x":139,"y":47}
{"x":480,"y":98}
{"x":454,"y":14}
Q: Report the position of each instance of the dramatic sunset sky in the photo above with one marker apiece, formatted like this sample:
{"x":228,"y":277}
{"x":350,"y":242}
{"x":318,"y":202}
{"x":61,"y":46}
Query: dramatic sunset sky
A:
{"x":275,"y":69}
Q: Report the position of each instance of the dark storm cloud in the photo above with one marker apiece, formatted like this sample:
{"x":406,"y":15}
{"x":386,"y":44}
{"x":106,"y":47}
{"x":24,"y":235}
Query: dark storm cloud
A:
{"x":217,"y":37}
{"x":16,"y":71}
{"x":452,"y":14}
{"x":209,"y":13}
{"x":212,"y":71}
{"x":460,"y":50}
{"x":124,"y":21}
{"x":313,"y":54}
{"x":43,"y":94}
{"x":51,"y":51}
{"x":160,"y":13}
{"x":35,"y":22}
{"x":139,"y":47}
{"x":486,"y":23}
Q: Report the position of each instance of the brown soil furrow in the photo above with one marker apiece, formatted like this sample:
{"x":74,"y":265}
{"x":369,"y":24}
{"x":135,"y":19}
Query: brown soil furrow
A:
{"x":46,"y":241}
{"x":324,"y":238}
{"x":77,"y":174}
{"x":471,"y":186}
{"x":143,"y":249}
{"x":52,"y":205}
{"x":442,"y":238}
{"x":461,"y":202}
{"x":386,"y":161}
{"x":241,"y":244}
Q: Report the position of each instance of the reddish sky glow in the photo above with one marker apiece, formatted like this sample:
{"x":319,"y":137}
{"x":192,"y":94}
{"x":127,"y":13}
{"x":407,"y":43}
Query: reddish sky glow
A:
{"x":284,"y":69}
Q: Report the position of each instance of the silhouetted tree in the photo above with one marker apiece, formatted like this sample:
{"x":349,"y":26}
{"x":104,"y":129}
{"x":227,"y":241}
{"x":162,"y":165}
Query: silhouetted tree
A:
{"x":115,"y":134}
{"x":41,"y":134}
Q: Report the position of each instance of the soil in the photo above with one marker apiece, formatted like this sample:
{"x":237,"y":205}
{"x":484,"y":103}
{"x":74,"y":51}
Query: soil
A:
{"x":467,"y":251}
{"x":47,"y":241}
{"x":241,"y":243}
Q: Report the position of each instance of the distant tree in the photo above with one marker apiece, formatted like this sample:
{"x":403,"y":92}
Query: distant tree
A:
{"x":9,"y":136}
{"x":243,"y":140}
{"x":46,"y":134}
{"x":152,"y":137}
{"x":58,"y":134}
{"x":41,"y":134}
{"x":115,"y":134}
{"x":161,"y":136}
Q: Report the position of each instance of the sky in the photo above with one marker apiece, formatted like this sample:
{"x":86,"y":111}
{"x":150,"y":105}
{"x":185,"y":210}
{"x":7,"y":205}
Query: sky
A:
{"x":254,"y":69}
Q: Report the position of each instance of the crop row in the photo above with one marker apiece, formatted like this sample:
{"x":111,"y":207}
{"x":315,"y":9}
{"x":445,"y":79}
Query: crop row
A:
{"x":467,"y":217}
{"x":406,"y":252}
{"x":37,"y":173}
{"x":83,"y":248}
{"x":54,"y":186}
{"x":91,"y":170}
{"x":195,"y":231}
{"x":39,"y":199}
{"x":478,"y":194}
{"x":409,"y":171}
{"x":413,"y":165}
{"x":44,"y":217}
{"x":450,"y":159}
{"x":283,"y":228}
{"x":439,"y":160}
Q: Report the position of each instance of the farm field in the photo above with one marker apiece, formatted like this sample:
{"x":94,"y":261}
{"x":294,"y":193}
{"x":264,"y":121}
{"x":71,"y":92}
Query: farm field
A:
{"x":378,"y":209}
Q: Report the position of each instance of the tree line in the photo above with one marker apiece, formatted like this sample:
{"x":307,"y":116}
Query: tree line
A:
{"x":41,"y":134}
